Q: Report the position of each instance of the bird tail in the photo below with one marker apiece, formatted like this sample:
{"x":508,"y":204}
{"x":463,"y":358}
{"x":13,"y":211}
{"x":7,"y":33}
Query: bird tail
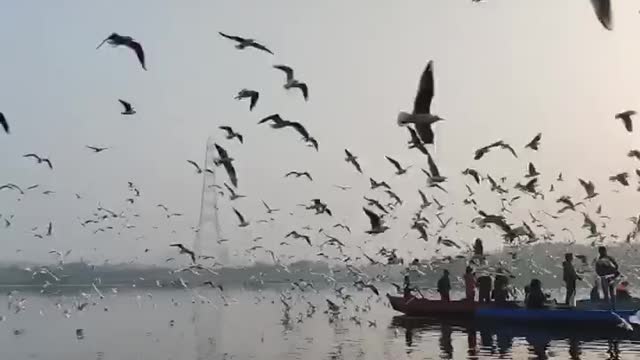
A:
{"x":404,"y":118}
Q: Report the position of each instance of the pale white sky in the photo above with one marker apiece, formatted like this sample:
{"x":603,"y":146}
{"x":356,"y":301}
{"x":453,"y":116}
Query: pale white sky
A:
{"x":503,"y":69}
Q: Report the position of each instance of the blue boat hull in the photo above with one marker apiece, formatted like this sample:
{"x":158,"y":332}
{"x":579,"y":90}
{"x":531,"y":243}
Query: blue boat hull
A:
{"x":554,"y":316}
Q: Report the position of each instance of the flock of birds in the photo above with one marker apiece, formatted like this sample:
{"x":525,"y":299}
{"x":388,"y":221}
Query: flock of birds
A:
{"x":426,"y":227}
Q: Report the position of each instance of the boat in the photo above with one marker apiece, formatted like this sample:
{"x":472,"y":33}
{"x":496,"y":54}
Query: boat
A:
{"x":560,"y":315}
{"x":423,"y":307}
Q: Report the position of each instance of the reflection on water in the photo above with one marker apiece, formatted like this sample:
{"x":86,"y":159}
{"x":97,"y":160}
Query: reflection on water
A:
{"x":509,"y":341}
{"x":246,"y":324}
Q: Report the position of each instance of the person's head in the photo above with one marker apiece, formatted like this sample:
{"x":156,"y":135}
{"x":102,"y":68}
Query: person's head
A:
{"x":406,"y":278}
{"x":478,"y":242}
{"x":568,"y":257}
{"x":468,"y":270}
{"x":535,"y":284}
{"x":445,"y":272}
{"x":602,"y":251}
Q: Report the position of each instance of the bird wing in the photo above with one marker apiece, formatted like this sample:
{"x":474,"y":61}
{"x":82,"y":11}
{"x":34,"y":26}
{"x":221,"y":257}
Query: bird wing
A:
{"x":299,"y":128}
{"x":433,"y":169}
{"x":195,"y":165}
{"x":228,"y":129}
{"x":275,"y":118}
{"x":303,"y":87}
{"x":287,"y":70}
{"x":426,"y":133}
{"x":394,"y":162}
{"x":126,"y":105}
{"x":231,"y":37}
{"x":48,"y":163}
{"x":254,"y":99}
{"x":422,"y":102}
{"x":603,"y":12}
{"x":374,"y":219}
{"x":222,"y":153}
{"x":4,"y":123}
{"x":261,"y":47}
{"x":231,"y":172}
{"x":137,"y":48}
{"x":307,"y":175}
{"x":532,"y":169}
{"x":240,"y":217}
{"x":32,"y":155}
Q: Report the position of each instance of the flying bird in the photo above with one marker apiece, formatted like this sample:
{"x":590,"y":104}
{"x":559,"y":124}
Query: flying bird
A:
{"x":118,"y":40}
{"x":299,"y":174}
{"x":485,"y":149}
{"x":603,"y":12}
{"x":377,"y":225}
{"x":292,"y":82}
{"x":227,"y":162}
{"x":4,"y":123}
{"x":185,"y":250}
{"x":243,"y":222}
{"x":96,"y":149}
{"x":399,"y":169}
{"x":622,"y":178}
{"x":634,"y":153}
{"x":297,"y":235}
{"x":198,"y":169}
{"x":231,"y":134}
{"x":473,"y":173}
{"x":376,"y":203}
{"x":232,"y":194}
{"x":353,"y":160}
{"x":269,"y":210}
{"x":243,"y":43}
{"x":250,"y":94}
{"x":128,"y":109}
{"x":532,"y":172}
{"x":421,"y":115}
{"x":535,"y":143}
{"x":39,"y":159}
{"x":375,"y":184}
{"x":589,"y":188}
{"x":625,"y":116}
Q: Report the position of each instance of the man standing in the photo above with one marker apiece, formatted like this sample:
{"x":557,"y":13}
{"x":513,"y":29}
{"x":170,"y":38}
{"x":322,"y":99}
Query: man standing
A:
{"x":570,"y":277}
{"x":607,"y":270}
{"x":470,"y":284}
{"x":484,"y":288}
{"x":444,"y":286}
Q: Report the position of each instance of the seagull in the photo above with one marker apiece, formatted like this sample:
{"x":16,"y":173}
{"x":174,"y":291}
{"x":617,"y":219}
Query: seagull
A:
{"x":625,"y":116}
{"x":532,"y":171}
{"x":198,"y":169}
{"x":117,"y":40}
{"x":292,"y":82}
{"x":96,"y":149}
{"x":483,"y":150}
{"x":296,"y":235}
{"x":622,"y":178}
{"x":343,"y":227}
{"x":634,"y":153}
{"x":590,"y":188}
{"x":226,"y":161}
{"x":368,"y":286}
{"x":394,"y":196}
{"x":269,"y":210}
{"x":231,"y":134}
{"x":243,"y":222}
{"x":39,"y":159}
{"x":421,"y":116}
{"x":535,"y":143}
{"x":50,"y":229}
{"x":299,"y":174}
{"x":4,"y":123}
{"x":448,"y":243}
{"x":375,"y":184}
{"x":210,"y":283}
{"x":603,"y":12}
{"x":399,"y":169}
{"x":377,"y":225}
{"x":128,"y":109}
{"x":425,"y":201}
{"x":569,"y":205}
{"x":184,"y":250}
{"x":252,"y":94}
{"x":353,"y":160}
{"x":434,"y":173}
{"x":342,"y":187}
{"x":12,"y":187}
{"x":244,"y":43}
{"x":232,"y":194}
{"x":376,"y":203}
{"x":473,"y":173}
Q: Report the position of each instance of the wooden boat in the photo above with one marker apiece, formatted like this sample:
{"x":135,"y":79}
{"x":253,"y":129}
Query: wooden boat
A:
{"x":424,"y":307}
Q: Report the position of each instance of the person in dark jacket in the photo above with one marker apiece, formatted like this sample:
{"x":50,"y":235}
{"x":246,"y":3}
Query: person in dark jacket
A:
{"x":570,"y":277}
{"x":478,"y":248}
{"x":407,"y":288}
{"x":535,"y":298}
{"x":500,"y":292}
{"x":484,"y":288}
{"x":444,"y":286}
{"x":607,"y":270}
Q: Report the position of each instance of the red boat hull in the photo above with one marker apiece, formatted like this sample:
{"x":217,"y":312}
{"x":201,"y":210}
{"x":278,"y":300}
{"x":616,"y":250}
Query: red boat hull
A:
{"x":425,"y":307}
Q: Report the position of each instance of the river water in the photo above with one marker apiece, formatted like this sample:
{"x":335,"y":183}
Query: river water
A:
{"x":254,"y":324}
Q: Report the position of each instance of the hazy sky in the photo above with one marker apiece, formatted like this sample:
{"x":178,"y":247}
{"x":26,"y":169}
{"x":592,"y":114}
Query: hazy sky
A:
{"x":503,"y":70}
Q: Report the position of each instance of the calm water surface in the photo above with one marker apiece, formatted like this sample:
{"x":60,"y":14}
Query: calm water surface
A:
{"x":182,"y":324}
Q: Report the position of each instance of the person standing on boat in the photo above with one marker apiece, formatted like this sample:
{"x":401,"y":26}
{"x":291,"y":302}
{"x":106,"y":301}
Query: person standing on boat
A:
{"x":607,"y":270}
{"x":407,"y":288}
{"x":444,"y":286}
{"x":484,"y":288}
{"x":478,"y":248}
{"x":470,"y":284}
{"x":570,"y":277}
